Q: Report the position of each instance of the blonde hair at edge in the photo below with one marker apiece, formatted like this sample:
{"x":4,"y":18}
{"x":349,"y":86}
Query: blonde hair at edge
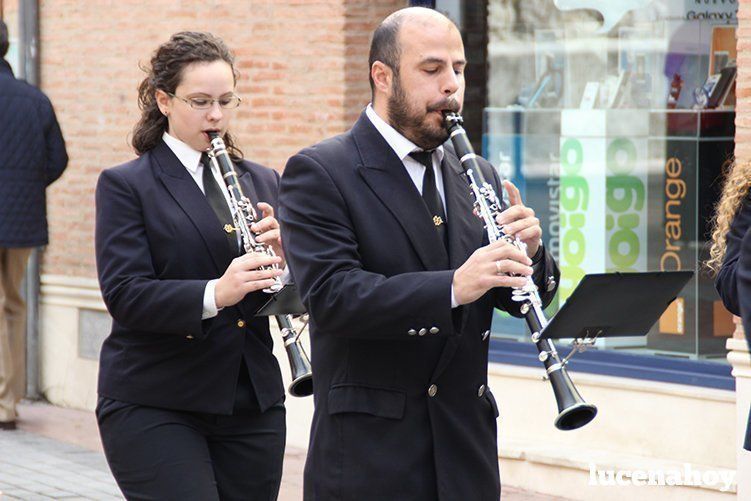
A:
{"x":737,"y":183}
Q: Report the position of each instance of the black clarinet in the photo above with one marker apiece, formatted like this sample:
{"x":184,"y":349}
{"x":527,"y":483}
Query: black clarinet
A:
{"x":573,"y":411}
{"x":243,"y":216}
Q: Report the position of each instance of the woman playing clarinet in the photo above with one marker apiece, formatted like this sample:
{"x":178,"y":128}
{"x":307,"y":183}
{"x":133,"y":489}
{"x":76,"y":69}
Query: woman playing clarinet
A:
{"x":191,"y":401}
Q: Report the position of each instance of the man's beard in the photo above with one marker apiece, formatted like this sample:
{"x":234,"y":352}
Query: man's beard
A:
{"x":412,"y":124}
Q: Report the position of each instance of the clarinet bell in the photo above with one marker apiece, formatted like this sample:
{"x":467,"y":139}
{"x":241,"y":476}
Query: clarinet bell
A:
{"x":573,"y":411}
{"x":302,"y":375}
{"x":575,"y":416}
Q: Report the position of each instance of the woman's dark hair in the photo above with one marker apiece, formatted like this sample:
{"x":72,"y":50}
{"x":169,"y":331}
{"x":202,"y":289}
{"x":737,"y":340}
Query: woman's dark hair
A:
{"x":166,"y":73}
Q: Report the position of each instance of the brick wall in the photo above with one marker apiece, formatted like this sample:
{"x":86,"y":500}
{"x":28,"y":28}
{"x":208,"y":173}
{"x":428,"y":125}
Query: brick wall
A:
{"x":303,"y":75}
{"x":303,"y":66}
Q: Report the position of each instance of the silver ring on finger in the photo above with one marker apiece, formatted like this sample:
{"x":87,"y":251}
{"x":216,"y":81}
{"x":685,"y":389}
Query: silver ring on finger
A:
{"x":498,"y":270}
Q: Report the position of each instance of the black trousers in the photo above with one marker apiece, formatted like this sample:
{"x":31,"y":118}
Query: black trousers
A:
{"x":161,"y":454}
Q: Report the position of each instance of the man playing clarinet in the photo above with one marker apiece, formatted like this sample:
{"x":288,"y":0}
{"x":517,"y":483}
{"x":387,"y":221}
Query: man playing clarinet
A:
{"x":400,"y":283}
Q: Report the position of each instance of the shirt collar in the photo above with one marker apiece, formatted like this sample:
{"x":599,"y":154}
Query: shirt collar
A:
{"x":189,"y":157}
{"x":400,"y":144}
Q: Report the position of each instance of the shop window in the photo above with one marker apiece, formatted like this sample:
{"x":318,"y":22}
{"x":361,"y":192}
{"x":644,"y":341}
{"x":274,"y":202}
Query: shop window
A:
{"x":615,"y":120}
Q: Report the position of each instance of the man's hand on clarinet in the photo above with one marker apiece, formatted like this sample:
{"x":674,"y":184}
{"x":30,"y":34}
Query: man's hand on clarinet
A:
{"x":499,"y":264}
{"x":267,"y":230}
{"x":519,"y":220}
{"x":244,"y":276}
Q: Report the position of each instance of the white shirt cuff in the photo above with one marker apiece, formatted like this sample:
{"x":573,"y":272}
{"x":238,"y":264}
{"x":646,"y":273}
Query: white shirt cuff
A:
{"x":209,"y":301}
{"x":286,"y":276}
{"x":454,"y":302}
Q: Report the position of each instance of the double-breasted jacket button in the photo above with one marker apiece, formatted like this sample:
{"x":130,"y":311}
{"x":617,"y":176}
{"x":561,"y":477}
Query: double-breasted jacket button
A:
{"x":434,"y":330}
{"x":423,"y":331}
{"x":241,"y":323}
{"x":432,"y":390}
{"x":481,"y":390}
{"x":551,"y":283}
{"x":411,"y":332}
{"x":485,"y":334}
{"x":188,"y":337}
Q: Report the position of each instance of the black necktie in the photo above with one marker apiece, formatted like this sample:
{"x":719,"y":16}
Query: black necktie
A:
{"x":217,"y":201}
{"x":430,"y":194}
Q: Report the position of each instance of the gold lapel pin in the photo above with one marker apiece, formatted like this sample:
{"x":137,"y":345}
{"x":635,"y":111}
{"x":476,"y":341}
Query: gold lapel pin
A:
{"x":437,"y":220}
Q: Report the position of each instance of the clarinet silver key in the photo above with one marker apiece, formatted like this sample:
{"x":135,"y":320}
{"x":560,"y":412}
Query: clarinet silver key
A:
{"x":244,"y":215}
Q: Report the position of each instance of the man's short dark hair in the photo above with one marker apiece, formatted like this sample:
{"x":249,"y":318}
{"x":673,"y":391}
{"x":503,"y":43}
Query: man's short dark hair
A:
{"x":4,"y":41}
{"x":385,"y":46}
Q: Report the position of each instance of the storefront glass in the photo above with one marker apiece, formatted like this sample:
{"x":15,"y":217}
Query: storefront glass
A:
{"x":615,"y":119}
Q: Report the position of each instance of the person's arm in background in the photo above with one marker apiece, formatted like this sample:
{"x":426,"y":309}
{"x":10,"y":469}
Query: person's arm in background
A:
{"x":57,"y":156}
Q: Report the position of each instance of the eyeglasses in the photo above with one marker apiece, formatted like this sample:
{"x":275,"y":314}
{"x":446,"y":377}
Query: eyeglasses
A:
{"x":204,"y":103}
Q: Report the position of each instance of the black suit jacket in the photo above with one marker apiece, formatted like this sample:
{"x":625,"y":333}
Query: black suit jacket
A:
{"x":32,"y":156}
{"x":743,"y":284}
{"x":376,"y":280}
{"x":158,"y":243}
{"x":733,"y":281}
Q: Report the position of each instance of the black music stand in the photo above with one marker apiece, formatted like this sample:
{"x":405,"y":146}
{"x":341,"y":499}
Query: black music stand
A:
{"x":615,"y":304}
{"x":285,"y":302}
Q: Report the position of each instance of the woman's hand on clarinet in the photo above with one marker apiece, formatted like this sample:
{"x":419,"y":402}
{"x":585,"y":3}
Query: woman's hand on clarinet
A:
{"x":519,"y":220}
{"x":267,"y":230}
{"x":244,"y":276}
{"x":499,"y":264}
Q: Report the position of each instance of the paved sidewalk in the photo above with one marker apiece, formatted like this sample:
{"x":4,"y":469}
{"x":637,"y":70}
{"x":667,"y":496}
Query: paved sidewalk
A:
{"x":34,"y":467}
{"x":56,"y":454}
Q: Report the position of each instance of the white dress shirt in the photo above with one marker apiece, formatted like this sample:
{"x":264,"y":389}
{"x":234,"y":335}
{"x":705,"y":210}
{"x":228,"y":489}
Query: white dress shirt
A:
{"x":191,"y":160}
{"x":403,"y":147}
